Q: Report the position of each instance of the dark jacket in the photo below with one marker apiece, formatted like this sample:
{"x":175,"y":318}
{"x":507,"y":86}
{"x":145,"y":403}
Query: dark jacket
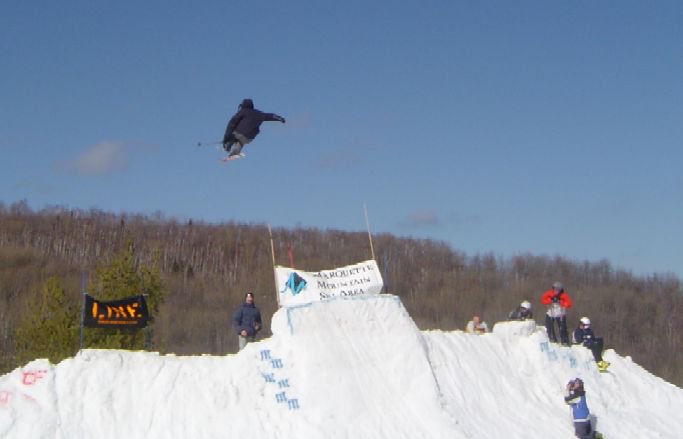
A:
{"x":584,"y":336}
{"x":247,"y":317}
{"x":521,"y":313}
{"x":247,"y":121}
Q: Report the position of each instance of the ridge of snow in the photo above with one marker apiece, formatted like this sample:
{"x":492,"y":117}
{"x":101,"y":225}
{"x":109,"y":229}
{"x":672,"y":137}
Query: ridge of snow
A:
{"x":341,"y":368}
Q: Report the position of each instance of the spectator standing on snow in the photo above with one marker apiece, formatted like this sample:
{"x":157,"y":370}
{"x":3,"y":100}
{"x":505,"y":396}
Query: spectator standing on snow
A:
{"x":247,"y":321}
{"x":476,"y":326}
{"x":584,"y":335}
{"x":575,"y":397}
{"x":523,"y":312}
{"x":558,"y":301}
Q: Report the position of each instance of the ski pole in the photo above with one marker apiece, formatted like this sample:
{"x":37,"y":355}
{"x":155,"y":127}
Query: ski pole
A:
{"x":209,"y":143}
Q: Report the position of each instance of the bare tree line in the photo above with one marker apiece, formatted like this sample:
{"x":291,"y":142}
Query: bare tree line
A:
{"x":206,"y":268}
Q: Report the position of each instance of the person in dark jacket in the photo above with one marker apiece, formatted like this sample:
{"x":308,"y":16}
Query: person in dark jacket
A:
{"x":247,"y":321}
{"x":576,"y":398}
{"x":558,"y":302}
{"x":584,"y":335}
{"x":244,"y":126}
{"x":523,"y":312}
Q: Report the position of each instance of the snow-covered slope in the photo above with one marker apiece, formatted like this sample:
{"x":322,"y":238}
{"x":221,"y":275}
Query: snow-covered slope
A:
{"x":344,"y":368}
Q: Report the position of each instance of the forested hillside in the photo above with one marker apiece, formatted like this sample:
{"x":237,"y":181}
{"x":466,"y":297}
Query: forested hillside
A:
{"x":206,"y":268}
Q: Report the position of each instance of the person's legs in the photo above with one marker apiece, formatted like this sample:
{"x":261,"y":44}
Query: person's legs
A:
{"x":241,"y":141}
{"x":583,"y":430}
{"x":596,"y":348}
{"x":228,"y":140}
{"x":243,"y":341}
{"x":550,"y":328}
{"x":564,"y":335}
{"x":236,"y":149}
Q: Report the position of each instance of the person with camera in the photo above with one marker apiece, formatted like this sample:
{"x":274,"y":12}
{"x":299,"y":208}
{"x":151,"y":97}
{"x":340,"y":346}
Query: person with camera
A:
{"x":575,"y":397}
{"x":558,"y":301}
{"x":584,"y":335}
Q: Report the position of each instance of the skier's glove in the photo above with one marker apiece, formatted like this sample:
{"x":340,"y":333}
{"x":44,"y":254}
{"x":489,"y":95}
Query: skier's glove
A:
{"x":280,"y":119}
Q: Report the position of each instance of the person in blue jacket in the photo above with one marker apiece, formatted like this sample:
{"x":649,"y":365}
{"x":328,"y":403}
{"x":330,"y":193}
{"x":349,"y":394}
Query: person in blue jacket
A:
{"x":247,"y":321}
{"x":576,"y":398}
{"x":584,"y":335}
{"x":244,"y":126}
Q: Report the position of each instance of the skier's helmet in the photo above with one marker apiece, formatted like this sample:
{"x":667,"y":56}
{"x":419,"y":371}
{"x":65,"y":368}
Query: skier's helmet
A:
{"x":558,"y":286}
{"x":525,"y":304}
{"x":585,"y":320}
{"x":247,"y":103}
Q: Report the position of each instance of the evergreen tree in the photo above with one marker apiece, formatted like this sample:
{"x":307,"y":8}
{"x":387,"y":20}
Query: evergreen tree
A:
{"x":51,"y":329}
{"x":124,"y":277}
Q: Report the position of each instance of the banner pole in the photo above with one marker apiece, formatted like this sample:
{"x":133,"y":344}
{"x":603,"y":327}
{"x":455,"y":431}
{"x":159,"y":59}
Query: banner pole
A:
{"x":80,"y":346}
{"x":272,"y":254}
{"x":367,"y":224}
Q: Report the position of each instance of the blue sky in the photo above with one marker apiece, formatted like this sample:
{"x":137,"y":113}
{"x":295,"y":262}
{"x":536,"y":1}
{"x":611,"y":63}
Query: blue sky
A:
{"x":551,"y":128}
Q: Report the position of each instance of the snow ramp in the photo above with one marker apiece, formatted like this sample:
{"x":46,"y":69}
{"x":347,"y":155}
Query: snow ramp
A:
{"x":343,"y":368}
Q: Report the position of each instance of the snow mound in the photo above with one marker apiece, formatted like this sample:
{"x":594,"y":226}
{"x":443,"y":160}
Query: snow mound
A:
{"x":343,"y":368}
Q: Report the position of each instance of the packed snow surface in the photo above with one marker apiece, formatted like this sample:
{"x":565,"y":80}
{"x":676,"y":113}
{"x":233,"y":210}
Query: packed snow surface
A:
{"x":344,"y":368}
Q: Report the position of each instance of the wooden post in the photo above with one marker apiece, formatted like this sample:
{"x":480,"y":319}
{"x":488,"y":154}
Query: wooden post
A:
{"x":80,"y":345}
{"x":367,"y":223}
{"x":272,"y":253}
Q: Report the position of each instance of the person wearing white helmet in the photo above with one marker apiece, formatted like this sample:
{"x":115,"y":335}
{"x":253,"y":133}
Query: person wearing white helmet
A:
{"x":523,"y":312}
{"x":584,"y":335}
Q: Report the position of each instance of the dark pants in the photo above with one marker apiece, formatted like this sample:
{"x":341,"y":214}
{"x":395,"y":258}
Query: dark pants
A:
{"x":235,"y":143}
{"x":583,"y":430}
{"x":596,"y":347}
{"x":561,"y":323}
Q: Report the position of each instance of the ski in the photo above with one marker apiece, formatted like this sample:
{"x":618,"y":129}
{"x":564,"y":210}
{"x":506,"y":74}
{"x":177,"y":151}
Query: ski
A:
{"x":232,"y":157}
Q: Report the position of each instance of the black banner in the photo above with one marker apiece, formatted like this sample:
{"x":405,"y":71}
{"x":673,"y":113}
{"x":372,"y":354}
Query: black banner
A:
{"x":125,"y":313}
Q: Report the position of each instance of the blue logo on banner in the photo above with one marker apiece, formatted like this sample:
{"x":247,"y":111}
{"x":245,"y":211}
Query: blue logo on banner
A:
{"x":295,"y":284}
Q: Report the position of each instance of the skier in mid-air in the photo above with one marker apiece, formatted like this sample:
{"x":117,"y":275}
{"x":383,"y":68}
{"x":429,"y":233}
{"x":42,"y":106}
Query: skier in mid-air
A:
{"x":243,"y":127}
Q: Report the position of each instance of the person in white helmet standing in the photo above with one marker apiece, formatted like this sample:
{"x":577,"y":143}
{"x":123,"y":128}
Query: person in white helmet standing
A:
{"x":523,"y":312}
{"x":584,"y":335}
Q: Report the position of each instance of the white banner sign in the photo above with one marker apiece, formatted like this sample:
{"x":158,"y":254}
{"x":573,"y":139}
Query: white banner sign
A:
{"x":297,"y":287}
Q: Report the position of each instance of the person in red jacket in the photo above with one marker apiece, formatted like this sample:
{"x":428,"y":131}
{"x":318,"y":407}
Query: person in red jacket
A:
{"x":558,"y":302}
